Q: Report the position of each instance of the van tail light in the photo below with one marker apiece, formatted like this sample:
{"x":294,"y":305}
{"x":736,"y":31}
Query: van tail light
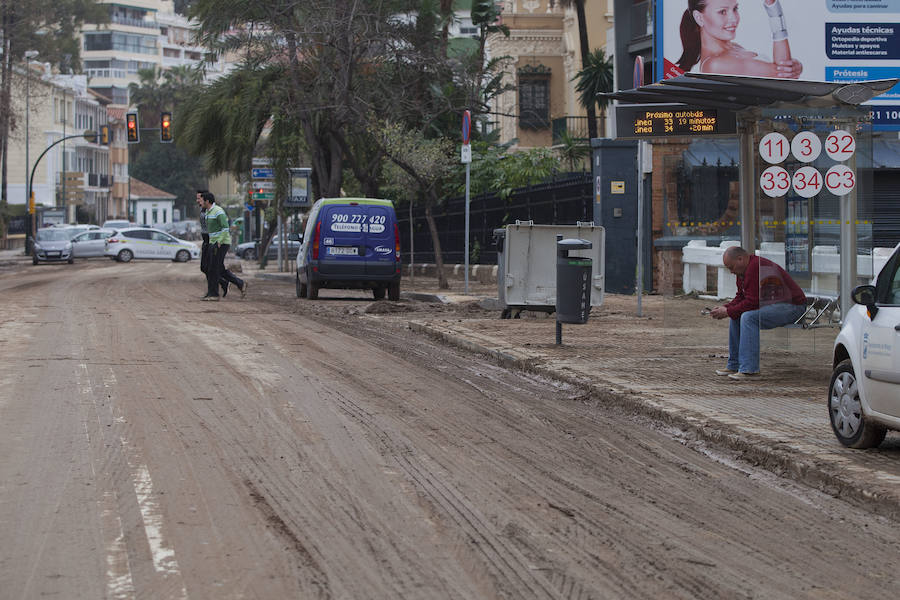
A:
{"x":315,"y":248}
{"x":397,"y":241}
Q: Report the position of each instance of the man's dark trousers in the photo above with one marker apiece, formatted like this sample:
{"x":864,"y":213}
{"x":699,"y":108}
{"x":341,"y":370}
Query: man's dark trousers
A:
{"x":216,"y":270}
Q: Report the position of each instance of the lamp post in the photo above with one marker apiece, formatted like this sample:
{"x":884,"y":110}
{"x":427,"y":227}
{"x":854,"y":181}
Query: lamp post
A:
{"x":29,"y":54}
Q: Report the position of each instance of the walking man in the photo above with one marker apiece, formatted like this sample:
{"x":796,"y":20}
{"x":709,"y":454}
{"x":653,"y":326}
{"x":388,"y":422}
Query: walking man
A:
{"x":219,"y":242}
{"x":766,"y":298}
{"x":204,"y":249}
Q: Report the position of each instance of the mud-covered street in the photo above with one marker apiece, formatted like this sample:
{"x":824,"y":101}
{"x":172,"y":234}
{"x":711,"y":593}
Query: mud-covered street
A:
{"x":156,"y":446}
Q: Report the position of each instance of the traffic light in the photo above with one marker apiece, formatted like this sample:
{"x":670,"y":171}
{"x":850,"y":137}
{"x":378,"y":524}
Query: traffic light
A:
{"x":104,"y":135}
{"x":165,"y":127}
{"x":131,"y":123}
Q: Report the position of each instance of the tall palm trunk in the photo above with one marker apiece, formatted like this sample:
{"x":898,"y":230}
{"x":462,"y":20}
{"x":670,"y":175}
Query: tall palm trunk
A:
{"x":585,"y":51}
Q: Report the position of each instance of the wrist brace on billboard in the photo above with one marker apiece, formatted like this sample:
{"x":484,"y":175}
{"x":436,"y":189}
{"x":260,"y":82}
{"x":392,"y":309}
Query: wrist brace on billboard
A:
{"x":776,"y":20}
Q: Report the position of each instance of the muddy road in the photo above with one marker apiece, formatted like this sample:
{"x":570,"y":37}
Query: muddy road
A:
{"x":156,"y":446}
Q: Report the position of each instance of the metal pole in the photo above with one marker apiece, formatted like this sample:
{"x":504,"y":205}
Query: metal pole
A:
{"x":280,"y":230}
{"x":848,"y":240}
{"x":467,"y":227}
{"x":27,"y":144}
{"x":412,"y":247}
{"x":639,"y":287}
{"x":746,"y":129}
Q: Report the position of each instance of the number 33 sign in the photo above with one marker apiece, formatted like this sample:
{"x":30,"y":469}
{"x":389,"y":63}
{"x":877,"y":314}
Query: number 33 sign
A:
{"x":806,"y":147}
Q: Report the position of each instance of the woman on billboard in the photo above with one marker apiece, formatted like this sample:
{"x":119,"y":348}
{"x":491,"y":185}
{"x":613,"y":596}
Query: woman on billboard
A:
{"x":708,"y":29}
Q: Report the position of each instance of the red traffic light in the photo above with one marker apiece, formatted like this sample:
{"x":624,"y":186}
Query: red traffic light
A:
{"x":131,"y":122}
{"x":165,"y":127}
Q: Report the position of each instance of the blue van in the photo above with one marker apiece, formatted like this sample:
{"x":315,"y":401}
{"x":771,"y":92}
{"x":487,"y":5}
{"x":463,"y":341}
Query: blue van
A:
{"x":350,"y":243}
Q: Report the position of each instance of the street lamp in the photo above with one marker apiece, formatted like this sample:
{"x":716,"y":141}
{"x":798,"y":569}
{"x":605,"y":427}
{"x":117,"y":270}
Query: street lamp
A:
{"x":29,"y":54}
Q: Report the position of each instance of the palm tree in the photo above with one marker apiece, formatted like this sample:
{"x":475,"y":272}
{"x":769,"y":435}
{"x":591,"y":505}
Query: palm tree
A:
{"x":578,"y":5}
{"x":594,"y":78}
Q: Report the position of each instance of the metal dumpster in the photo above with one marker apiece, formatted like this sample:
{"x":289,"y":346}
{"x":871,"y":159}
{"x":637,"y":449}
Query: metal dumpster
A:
{"x":526,"y":264}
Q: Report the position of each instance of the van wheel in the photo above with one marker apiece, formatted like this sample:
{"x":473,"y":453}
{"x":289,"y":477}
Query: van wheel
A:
{"x":378,"y":292}
{"x":125,"y":256}
{"x":394,"y":292}
{"x":301,"y":287}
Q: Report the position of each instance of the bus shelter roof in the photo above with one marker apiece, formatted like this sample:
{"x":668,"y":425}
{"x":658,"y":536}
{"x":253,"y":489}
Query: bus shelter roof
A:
{"x":739,"y":92}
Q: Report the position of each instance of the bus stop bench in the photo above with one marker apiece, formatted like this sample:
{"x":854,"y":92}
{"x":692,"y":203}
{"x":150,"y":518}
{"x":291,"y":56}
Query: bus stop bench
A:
{"x":820,"y":312}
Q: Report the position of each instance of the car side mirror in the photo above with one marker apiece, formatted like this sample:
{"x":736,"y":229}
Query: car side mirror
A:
{"x":865,"y":295}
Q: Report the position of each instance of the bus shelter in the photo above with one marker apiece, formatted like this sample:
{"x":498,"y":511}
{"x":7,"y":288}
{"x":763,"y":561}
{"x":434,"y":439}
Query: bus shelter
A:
{"x":803,"y":161}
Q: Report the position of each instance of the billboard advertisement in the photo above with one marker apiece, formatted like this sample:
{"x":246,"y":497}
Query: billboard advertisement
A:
{"x":819,"y":40}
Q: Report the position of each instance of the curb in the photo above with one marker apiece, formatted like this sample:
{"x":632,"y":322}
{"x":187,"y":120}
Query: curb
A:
{"x":757,"y":450}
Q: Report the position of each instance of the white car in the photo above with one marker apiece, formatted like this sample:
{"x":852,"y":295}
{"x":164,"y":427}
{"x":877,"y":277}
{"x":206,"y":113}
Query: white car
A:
{"x":864,"y":395}
{"x":90,"y":243}
{"x":141,"y":242}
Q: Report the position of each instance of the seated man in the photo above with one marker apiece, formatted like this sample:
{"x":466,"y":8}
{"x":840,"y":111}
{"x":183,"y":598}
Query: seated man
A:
{"x":767,"y":297}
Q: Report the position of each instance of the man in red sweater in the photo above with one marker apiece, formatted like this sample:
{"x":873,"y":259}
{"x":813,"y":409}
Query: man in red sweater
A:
{"x":767,"y":297}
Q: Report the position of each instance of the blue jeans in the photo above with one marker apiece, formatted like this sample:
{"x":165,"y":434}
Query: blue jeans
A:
{"x":743,"y":333}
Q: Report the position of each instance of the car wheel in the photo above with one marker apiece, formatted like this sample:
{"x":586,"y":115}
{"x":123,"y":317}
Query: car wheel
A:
{"x":394,"y":292}
{"x":250,"y":254}
{"x":850,"y":424}
{"x":301,"y":287}
{"x":378,"y":292}
{"x":182,"y":256}
{"x":125,"y":256}
{"x":71,"y":260}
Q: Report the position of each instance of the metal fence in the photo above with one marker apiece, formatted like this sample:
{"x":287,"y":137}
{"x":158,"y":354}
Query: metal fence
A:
{"x":564,"y":201}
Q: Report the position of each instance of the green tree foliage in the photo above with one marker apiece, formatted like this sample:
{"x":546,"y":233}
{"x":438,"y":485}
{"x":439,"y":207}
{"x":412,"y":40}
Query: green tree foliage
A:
{"x":594,"y":78}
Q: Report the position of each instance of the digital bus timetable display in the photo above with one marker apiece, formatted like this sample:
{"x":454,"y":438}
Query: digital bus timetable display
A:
{"x":672,"y":121}
{"x":676,"y":122}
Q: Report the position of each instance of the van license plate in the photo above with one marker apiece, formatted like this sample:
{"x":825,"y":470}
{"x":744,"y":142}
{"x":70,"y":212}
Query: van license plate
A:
{"x":343,"y":250}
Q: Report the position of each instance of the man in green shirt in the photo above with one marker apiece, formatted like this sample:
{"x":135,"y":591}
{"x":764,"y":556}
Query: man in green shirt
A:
{"x":219,"y":242}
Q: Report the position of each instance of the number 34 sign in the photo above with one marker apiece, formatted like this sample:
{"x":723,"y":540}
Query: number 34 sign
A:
{"x":807,"y":181}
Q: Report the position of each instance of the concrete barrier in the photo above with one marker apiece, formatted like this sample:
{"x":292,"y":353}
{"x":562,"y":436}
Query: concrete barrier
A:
{"x":697,"y":257}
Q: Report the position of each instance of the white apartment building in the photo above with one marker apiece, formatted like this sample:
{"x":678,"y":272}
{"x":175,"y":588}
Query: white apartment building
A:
{"x":72,"y":173}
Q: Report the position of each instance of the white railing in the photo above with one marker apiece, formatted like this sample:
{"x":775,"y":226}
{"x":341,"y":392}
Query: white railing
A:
{"x":697,"y":257}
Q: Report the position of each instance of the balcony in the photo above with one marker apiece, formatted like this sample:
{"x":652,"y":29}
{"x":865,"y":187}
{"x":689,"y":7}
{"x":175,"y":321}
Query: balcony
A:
{"x":131,"y":22}
{"x":96,"y":180}
{"x":575,"y":127}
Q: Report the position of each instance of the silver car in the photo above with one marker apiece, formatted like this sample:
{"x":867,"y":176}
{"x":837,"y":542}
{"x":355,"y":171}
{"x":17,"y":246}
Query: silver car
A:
{"x":52,"y":244}
{"x":90,"y":243}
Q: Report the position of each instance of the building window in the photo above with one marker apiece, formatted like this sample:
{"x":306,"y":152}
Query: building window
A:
{"x":534,"y":97}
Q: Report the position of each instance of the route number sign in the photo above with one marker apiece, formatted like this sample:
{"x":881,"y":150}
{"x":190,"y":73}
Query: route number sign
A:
{"x":775,"y":182}
{"x":840,"y":180}
{"x":774,"y":148}
{"x":840,"y":145}
{"x":807,"y":182}
{"x":806,"y":146}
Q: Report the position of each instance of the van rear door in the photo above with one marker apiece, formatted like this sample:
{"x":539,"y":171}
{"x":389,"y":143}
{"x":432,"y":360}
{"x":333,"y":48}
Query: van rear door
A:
{"x":380,"y":258}
{"x":343,"y":240}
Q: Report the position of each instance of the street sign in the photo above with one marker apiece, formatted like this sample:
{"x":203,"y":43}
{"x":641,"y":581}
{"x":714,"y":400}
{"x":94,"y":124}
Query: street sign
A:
{"x":262,"y":173}
{"x":264,"y":185}
{"x":299,"y":196}
{"x":466,"y":127}
{"x":260,"y":162}
{"x":637,"y":77}
{"x":263,"y":195}
{"x":466,"y":154}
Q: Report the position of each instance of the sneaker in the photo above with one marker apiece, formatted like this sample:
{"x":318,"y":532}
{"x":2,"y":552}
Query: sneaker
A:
{"x":725,"y":371}
{"x":743,"y":376}
{"x":211,"y":298}
{"x":244,"y":289}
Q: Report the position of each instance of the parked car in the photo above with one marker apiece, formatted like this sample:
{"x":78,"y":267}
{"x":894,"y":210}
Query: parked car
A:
{"x":73,"y":230}
{"x":140,"y":242}
{"x":117,"y":224}
{"x":350,"y":243}
{"x":292,"y":247}
{"x":90,"y":243}
{"x":52,"y":244}
{"x":864,"y":394}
